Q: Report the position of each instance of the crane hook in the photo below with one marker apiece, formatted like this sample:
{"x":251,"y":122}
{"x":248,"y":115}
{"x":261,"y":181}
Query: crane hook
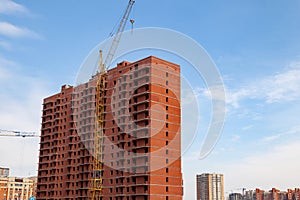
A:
{"x":132,"y":22}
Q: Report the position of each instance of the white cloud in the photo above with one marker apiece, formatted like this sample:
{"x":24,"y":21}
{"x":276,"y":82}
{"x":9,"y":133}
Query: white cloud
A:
{"x":281,"y":87}
{"x":277,"y":167}
{"x":7,"y":29}
{"x":11,"y":30}
{"x":192,"y":156}
{"x":20,"y":109}
{"x":5,"y":64}
{"x":20,"y":155}
{"x":21,"y":100}
{"x":190,"y":115}
{"x":235,"y":138}
{"x":292,"y":131}
{"x":10,"y":7}
{"x":245,"y":128}
{"x":188,"y":96}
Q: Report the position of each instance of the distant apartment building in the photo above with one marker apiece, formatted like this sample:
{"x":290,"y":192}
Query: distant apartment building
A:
{"x":12,"y":188}
{"x":34,"y":179}
{"x":290,"y":194}
{"x":296,"y":194}
{"x":249,"y":195}
{"x":259,"y":194}
{"x":4,"y":172}
{"x":235,"y":196}
{"x":273,"y":194}
{"x":141,"y":149}
{"x":210,"y":187}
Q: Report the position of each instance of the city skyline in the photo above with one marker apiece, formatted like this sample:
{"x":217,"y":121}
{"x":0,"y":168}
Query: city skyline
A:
{"x":254,"y":44}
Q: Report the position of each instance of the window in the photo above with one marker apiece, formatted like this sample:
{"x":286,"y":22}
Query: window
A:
{"x":167,"y":74}
{"x":167,"y":151}
{"x":167,"y":107}
{"x":167,"y":116}
{"x":167,"y":170}
{"x":167,"y":143}
{"x":167,"y":99}
{"x":167,"y":82}
{"x":167,"y":91}
{"x":167,"y":189}
{"x":167,"y":125}
{"x":167,"y":179}
{"x":167,"y":134}
{"x":167,"y":161}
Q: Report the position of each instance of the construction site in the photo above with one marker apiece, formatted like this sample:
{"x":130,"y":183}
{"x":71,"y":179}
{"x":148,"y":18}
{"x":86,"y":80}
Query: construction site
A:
{"x":133,"y":151}
{"x":149,"y":100}
{"x":115,"y":137}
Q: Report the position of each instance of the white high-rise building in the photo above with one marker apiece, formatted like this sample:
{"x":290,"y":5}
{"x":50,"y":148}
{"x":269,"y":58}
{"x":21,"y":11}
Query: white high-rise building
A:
{"x":210,"y":187}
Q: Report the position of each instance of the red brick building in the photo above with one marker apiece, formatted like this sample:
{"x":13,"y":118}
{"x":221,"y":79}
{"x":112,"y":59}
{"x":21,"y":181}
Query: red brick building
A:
{"x":259,"y":194}
{"x":142,"y":138}
{"x":276,"y":194}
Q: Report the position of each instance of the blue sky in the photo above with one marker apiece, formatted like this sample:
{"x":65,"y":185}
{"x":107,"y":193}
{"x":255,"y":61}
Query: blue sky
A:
{"x":255,"y":45}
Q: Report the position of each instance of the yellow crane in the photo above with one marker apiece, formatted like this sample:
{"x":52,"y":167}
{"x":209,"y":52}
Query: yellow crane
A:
{"x":96,"y":190}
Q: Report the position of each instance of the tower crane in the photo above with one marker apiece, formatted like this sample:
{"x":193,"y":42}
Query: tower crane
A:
{"x":96,"y":188}
{"x":118,"y":35}
{"x":18,"y":133}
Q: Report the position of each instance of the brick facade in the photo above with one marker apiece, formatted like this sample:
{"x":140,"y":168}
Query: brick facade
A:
{"x":142,"y":144}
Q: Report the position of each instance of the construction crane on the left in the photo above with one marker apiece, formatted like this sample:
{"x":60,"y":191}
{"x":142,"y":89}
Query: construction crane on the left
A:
{"x":18,"y":133}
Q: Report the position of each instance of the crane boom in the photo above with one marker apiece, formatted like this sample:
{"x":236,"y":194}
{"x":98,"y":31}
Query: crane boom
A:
{"x":18,"y":133}
{"x":118,"y":34}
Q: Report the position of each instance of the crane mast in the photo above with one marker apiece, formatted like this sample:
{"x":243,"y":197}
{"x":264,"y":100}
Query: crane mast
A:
{"x":96,"y":190}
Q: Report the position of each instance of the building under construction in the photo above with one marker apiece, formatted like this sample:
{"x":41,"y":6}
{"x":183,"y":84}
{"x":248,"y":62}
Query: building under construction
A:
{"x":139,"y":153}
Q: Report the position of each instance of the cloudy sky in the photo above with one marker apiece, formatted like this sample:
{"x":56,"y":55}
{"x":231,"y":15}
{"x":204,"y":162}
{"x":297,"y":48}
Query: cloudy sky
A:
{"x":255,"y":45}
